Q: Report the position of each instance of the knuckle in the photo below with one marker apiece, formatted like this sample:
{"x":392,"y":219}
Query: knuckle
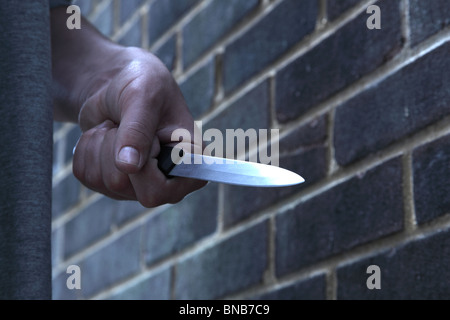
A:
{"x":149,"y":200}
{"x":117,"y":182}
{"x":92,"y":179}
{"x":134,"y":134}
{"x":137,"y":130}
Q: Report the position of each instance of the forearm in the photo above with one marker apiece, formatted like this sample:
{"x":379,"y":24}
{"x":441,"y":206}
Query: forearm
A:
{"x":76,"y":55}
{"x":127,"y":104}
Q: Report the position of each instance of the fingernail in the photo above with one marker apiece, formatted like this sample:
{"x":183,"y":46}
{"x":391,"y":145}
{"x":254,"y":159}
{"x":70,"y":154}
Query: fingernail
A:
{"x":129,"y":155}
{"x":76,"y":144}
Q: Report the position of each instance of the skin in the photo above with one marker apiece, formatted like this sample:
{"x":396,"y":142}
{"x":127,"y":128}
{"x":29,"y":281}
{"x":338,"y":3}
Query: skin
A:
{"x":127,"y":105}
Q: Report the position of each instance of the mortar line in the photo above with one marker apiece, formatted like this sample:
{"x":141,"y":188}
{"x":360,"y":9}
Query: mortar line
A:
{"x":177,"y":27}
{"x":178,"y":67}
{"x":123,"y":28}
{"x":220,"y":208}
{"x":310,"y":41}
{"x":331,"y":284}
{"x":245,"y":24}
{"x":406,"y":28}
{"x":58,"y":155}
{"x":219,"y":47}
{"x":218,"y":78}
{"x":142,"y":235}
{"x":332,"y":163}
{"x":264,"y":3}
{"x":127,"y":283}
{"x":236,"y":31}
{"x":173,"y":279}
{"x":322,"y":18}
{"x":144,"y":26}
{"x":361,"y":252}
{"x":377,"y":76}
{"x":407,"y":234}
{"x":402,"y":60}
{"x":60,"y":239}
{"x":112,"y":235}
{"x":64,"y":170}
{"x":97,"y":9}
{"x":410,"y":223}
{"x":373,"y":248}
{"x":269,"y":275}
{"x":432,"y":133}
{"x":65,"y":128}
{"x":116,"y":16}
{"x":273,"y":121}
{"x":398,"y":148}
{"x":74,"y":211}
{"x":203,"y":244}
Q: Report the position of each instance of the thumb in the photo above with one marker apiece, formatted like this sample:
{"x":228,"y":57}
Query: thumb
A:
{"x":134,"y":139}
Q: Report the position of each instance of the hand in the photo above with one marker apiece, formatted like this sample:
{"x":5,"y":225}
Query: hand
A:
{"x":128,"y":111}
{"x":125,"y":120}
{"x":127,"y":105}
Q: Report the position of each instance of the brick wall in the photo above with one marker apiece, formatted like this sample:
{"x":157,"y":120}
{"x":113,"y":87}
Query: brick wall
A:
{"x":364,"y":116}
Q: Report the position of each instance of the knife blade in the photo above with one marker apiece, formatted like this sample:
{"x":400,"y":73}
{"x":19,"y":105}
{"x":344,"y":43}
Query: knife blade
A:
{"x":176,"y":162}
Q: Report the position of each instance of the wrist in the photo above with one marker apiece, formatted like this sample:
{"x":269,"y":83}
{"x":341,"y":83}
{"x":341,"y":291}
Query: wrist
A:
{"x":80,"y":57}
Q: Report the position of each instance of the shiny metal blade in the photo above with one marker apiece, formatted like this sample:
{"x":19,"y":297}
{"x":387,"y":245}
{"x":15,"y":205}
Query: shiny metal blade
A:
{"x":234,"y":172}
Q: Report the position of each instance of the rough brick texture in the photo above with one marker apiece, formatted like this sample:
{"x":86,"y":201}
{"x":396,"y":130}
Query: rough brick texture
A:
{"x":155,"y":287}
{"x":432,"y":180}
{"x":336,"y":8}
{"x":417,"y":270}
{"x":427,"y":18}
{"x":133,"y":37}
{"x":340,"y":219}
{"x":199,"y":89}
{"x":363,"y":116}
{"x":251,"y":111}
{"x":104,"y":19}
{"x":211,"y":24}
{"x":309,"y":289}
{"x":164,"y":13}
{"x":66,"y":194}
{"x":89,"y":225}
{"x":181,"y":225}
{"x":268,"y":40}
{"x":318,"y":74}
{"x":127,"y":8}
{"x":71,"y":141}
{"x":113,"y":263}
{"x":301,"y":151}
{"x":231,"y":265}
{"x":166,"y":52}
{"x":406,"y":102}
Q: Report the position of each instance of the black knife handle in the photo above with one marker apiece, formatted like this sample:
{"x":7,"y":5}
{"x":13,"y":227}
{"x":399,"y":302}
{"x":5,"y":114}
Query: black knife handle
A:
{"x":165,"y":161}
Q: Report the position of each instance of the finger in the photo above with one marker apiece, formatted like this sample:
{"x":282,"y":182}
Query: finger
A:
{"x":136,"y":129}
{"x":116,"y":182}
{"x":90,"y":162}
{"x":85,"y":156}
{"x":79,"y":154}
{"x":92,"y":112}
{"x":87,"y":159}
{"x":153,"y":188}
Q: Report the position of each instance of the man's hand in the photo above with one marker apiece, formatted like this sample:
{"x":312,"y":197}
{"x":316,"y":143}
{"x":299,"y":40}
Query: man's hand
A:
{"x":124,"y":123}
{"x":127,"y":105}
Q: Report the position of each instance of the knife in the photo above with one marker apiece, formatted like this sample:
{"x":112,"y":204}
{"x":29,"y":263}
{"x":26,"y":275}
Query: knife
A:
{"x":179,"y":163}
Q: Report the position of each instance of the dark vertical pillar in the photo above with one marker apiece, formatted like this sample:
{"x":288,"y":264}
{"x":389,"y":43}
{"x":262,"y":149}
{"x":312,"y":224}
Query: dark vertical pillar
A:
{"x":25,"y":150}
